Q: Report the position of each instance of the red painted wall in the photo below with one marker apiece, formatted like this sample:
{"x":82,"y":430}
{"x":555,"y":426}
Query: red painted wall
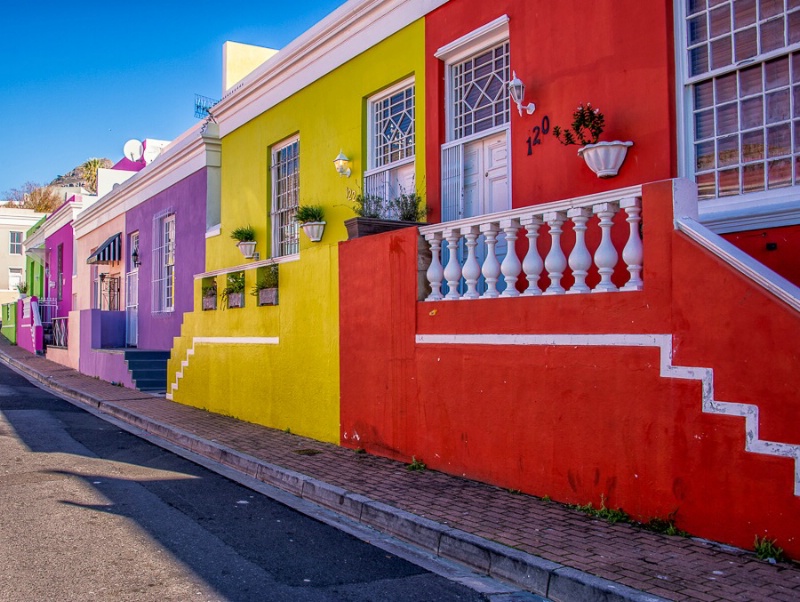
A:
{"x":783,"y":258}
{"x":578,"y":423}
{"x":616,"y":54}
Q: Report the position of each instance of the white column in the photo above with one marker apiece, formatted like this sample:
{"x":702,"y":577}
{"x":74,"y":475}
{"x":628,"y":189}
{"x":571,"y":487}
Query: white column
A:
{"x":452,"y":272}
{"x":580,"y":260}
{"x":606,"y":255}
{"x":472,"y":269}
{"x":556,"y":262}
{"x":511,"y":266}
{"x":491,"y":267}
{"x":532,"y":264}
{"x":435,"y":271}
{"x":633,"y":253}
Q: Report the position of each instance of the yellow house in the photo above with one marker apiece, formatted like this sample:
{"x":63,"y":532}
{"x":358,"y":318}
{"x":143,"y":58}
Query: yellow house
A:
{"x":353,"y":84}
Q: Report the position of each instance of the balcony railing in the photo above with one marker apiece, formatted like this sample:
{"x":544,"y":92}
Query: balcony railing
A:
{"x":60,"y":332}
{"x":477,"y":258}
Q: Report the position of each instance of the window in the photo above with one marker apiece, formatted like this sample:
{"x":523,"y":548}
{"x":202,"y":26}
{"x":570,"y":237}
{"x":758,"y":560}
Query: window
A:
{"x":475,"y":158}
{"x":14,"y":278}
{"x":742,"y":95}
{"x":15,"y":243}
{"x":480,"y":100}
{"x":164,"y":263}
{"x":60,"y":272}
{"x":391,"y":140}
{"x":285,"y":194}
{"x":133,"y":252}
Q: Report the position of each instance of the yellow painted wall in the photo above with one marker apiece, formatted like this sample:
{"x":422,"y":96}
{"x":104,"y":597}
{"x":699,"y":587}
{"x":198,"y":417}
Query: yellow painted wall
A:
{"x":239,"y":60}
{"x":294,"y":384}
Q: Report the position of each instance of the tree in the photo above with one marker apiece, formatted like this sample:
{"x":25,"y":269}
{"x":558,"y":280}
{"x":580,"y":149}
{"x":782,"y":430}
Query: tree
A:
{"x":89,"y":172}
{"x":43,"y":199}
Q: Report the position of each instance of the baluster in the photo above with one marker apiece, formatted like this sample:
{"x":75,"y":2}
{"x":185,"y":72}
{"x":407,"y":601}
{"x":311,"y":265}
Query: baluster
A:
{"x":633,"y":252}
{"x":580,"y":260}
{"x":606,"y":255}
{"x":556,"y":262}
{"x":532,"y":264}
{"x":491,"y":267}
{"x":452,"y":272}
{"x":435,"y":271}
{"x":511,"y":266}
{"x":472,"y":269}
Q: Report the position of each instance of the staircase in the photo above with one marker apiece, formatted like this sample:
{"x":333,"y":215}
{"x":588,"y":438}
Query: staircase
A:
{"x":148,"y":369}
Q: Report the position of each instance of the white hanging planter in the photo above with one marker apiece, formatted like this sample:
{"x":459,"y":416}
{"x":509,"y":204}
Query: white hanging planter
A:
{"x":314,"y":230}
{"x":248,"y":248}
{"x":605,"y":158}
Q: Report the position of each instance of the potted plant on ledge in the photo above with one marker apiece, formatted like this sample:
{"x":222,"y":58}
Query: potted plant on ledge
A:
{"x":233,"y":294}
{"x":376,"y":214}
{"x":266,"y":288}
{"x":603,"y":158}
{"x":246,"y":235}
{"x":311,"y":219}
{"x":210,"y":296}
{"x":22,"y":288}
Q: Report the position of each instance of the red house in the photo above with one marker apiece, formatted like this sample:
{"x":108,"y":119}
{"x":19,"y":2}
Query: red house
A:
{"x":630,"y":339}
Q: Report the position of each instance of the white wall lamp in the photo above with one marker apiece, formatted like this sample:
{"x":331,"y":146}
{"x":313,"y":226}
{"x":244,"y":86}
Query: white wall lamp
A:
{"x":342,"y":164}
{"x":517,"y":91}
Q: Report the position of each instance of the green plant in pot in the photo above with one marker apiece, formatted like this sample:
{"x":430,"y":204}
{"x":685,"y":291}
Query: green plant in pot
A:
{"x":312,"y":219}
{"x":266,"y":288}
{"x":233,"y":293}
{"x":22,"y":288}
{"x":588,"y":122}
{"x":246,"y":237}
{"x":210,"y":296}
{"x":409,"y":207}
{"x":369,"y":205}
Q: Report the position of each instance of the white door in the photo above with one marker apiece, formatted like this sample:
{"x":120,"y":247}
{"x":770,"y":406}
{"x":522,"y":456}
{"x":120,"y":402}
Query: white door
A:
{"x":132,"y":309}
{"x":486,"y":176}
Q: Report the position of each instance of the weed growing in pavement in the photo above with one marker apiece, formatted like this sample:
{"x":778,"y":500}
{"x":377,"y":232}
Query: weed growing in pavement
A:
{"x":514,"y":491}
{"x":288,"y":431}
{"x":612,"y":515}
{"x":360,"y":450}
{"x":665,"y":526}
{"x":416,"y":465}
{"x":767,"y":549}
{"x":546,"y":498}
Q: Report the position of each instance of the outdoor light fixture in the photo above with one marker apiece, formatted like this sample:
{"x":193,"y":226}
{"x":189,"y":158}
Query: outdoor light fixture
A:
{"x":135,"y":258}
{"x":517,"y":91}
{"x":342,"y":164}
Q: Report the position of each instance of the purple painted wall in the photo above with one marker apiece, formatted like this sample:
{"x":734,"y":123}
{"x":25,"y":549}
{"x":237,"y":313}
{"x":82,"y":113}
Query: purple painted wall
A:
{"x":187,"y":200}
{"x":104,"y":329}
{"x":62,"y":236}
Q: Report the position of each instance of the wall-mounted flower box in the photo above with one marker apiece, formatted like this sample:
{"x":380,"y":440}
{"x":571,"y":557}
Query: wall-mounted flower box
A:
{"x":268,"y":296}
{"x":235,"y":300}
{"x":209,"y":303}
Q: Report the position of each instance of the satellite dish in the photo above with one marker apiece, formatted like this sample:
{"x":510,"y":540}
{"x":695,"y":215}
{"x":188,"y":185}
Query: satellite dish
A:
{"x":133,"y":150}
{"x":150,"y":153}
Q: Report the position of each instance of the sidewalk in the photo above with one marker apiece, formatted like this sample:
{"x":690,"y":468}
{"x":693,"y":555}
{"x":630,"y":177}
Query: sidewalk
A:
{"x":541,"y":546}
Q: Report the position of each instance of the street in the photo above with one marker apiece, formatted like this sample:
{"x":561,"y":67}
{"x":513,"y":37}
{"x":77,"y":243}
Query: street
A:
{"x":91,"y":512}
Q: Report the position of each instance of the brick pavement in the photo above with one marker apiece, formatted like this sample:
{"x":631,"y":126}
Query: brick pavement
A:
{"x":670,"y":567}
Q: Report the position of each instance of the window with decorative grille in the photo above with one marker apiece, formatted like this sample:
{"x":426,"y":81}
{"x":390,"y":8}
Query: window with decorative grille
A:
{"x":285,"y":197}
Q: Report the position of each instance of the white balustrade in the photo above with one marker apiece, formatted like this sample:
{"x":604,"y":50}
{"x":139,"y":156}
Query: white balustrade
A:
{"x":478,"y":267}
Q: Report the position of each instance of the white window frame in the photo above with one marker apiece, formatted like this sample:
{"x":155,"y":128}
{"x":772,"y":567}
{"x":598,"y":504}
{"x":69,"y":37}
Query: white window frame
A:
{"x":14,"y":244}
{"x":744,"y":211}
{"x":14,"y":274}
{"x":382,"y":180}
{"x":164,"y":247}
{"x":488,"y":36}
{"x":285,"y":232}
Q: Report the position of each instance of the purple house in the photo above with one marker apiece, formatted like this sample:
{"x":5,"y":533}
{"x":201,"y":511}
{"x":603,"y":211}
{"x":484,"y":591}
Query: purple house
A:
{"x":137,"y":250}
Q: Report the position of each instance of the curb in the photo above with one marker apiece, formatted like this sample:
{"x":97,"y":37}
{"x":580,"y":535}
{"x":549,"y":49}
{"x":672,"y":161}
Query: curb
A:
{"x":531,"y":573}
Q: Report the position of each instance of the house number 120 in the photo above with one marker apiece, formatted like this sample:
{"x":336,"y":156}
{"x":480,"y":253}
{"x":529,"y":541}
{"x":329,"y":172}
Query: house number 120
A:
{"x":537,"y":132}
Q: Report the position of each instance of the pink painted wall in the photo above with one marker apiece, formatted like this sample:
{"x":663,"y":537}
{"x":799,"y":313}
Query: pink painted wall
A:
{"x":63,"y":236}
{"x":577,"y":423}
{"x":30,"y":336}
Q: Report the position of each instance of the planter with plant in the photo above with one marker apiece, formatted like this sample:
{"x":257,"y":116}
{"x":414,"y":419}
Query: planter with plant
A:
{"x":246,"y":237}
{"x":266,"y":288}
{"x":22,"y":287}
{"x":375,"y":214}
{"x":210,"y":295}
{"x":603,"y":158}
{"x":233,"y":294}
{"x":311,"y":219}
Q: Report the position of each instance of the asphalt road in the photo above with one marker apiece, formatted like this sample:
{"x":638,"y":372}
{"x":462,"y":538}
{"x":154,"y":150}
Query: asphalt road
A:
{"x":89,"y":512}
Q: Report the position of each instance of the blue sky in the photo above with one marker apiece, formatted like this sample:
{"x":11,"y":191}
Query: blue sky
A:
{"x":78,"y":79}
